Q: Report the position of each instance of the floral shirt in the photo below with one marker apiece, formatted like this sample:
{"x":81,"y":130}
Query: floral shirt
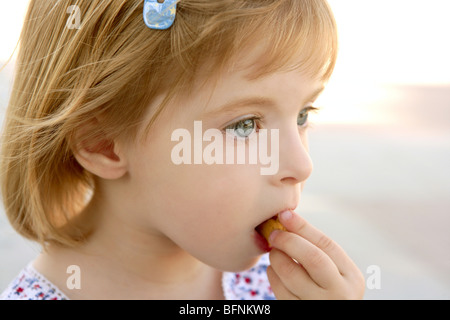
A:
{"x":251,"y":284}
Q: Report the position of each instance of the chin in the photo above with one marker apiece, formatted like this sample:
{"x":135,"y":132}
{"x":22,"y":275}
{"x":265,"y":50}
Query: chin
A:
{"x":237,"y":265}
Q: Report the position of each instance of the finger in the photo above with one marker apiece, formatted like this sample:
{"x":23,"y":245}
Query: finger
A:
{"x":293,"y":277}
{"x":278,"y":288}
{"x":298,"y":225}
{"x":319,"y":266}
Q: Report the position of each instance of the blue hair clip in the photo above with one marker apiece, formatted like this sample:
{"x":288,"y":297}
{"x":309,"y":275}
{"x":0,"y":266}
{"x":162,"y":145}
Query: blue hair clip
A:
{"x":160,"y":15}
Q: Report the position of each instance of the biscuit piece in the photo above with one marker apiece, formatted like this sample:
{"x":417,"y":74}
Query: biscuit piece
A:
{"x":270,"y":225}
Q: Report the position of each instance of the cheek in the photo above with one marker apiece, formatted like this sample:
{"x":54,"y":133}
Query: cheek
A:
{"x":210,"y":204}
{"x":212,"y":194}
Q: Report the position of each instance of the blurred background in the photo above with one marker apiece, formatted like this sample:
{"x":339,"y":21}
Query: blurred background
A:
{"x":380,"y":146}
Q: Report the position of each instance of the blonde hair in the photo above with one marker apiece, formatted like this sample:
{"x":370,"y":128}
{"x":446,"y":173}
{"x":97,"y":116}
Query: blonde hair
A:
{"x":112,"y":68}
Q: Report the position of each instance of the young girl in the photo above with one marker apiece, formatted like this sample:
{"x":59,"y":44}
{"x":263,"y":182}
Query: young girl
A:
{"x":88,"y":166}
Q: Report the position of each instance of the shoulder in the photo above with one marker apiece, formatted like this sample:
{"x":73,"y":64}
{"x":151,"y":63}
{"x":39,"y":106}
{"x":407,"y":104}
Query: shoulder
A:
{"x":251,"y":284}
{"x":31,"y":285}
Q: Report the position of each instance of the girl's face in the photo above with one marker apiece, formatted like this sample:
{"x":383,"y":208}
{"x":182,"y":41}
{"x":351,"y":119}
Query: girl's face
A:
{"x":211,"y":210}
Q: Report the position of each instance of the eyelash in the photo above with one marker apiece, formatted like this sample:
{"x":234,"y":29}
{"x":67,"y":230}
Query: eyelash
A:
{"x":308,"y":111}
{"x":258,"y":120}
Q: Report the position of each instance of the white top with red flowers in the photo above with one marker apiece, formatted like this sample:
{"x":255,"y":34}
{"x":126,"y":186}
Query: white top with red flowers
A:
{"x":251,"y":284}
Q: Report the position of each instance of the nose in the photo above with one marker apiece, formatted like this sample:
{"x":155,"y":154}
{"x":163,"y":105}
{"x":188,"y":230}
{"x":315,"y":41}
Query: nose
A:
{"x":295,"y":164}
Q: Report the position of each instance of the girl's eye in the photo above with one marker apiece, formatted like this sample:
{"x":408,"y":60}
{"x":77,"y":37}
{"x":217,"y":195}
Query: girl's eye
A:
{"x":243,"y":128}
{"x":302,"y":118}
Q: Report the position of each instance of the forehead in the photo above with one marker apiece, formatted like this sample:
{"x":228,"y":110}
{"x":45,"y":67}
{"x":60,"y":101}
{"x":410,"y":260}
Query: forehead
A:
{"x":259,"y":59}
{"x":242,"y":76}
{"x":291,"y":35}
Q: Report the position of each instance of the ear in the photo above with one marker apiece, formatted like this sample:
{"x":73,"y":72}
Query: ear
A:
{"x":101,"y":155}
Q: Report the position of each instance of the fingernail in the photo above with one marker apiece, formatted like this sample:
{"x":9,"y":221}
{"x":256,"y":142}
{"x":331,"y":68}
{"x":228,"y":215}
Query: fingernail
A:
{"x":285,"y":215}
{"x":273,"y":235}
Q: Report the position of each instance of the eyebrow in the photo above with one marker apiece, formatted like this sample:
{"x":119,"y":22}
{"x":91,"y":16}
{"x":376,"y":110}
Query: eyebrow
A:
{"x":247,"y":102}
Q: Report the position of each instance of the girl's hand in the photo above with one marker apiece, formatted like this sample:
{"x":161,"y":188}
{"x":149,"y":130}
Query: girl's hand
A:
{"x":322,"y":271}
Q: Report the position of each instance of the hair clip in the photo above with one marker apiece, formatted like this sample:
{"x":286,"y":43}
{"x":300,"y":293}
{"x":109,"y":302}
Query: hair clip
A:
{"x":160,"y":14}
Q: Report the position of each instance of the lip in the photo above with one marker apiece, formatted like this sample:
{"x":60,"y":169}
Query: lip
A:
{"x":275,"y":215}
{"x":260,"y":241}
